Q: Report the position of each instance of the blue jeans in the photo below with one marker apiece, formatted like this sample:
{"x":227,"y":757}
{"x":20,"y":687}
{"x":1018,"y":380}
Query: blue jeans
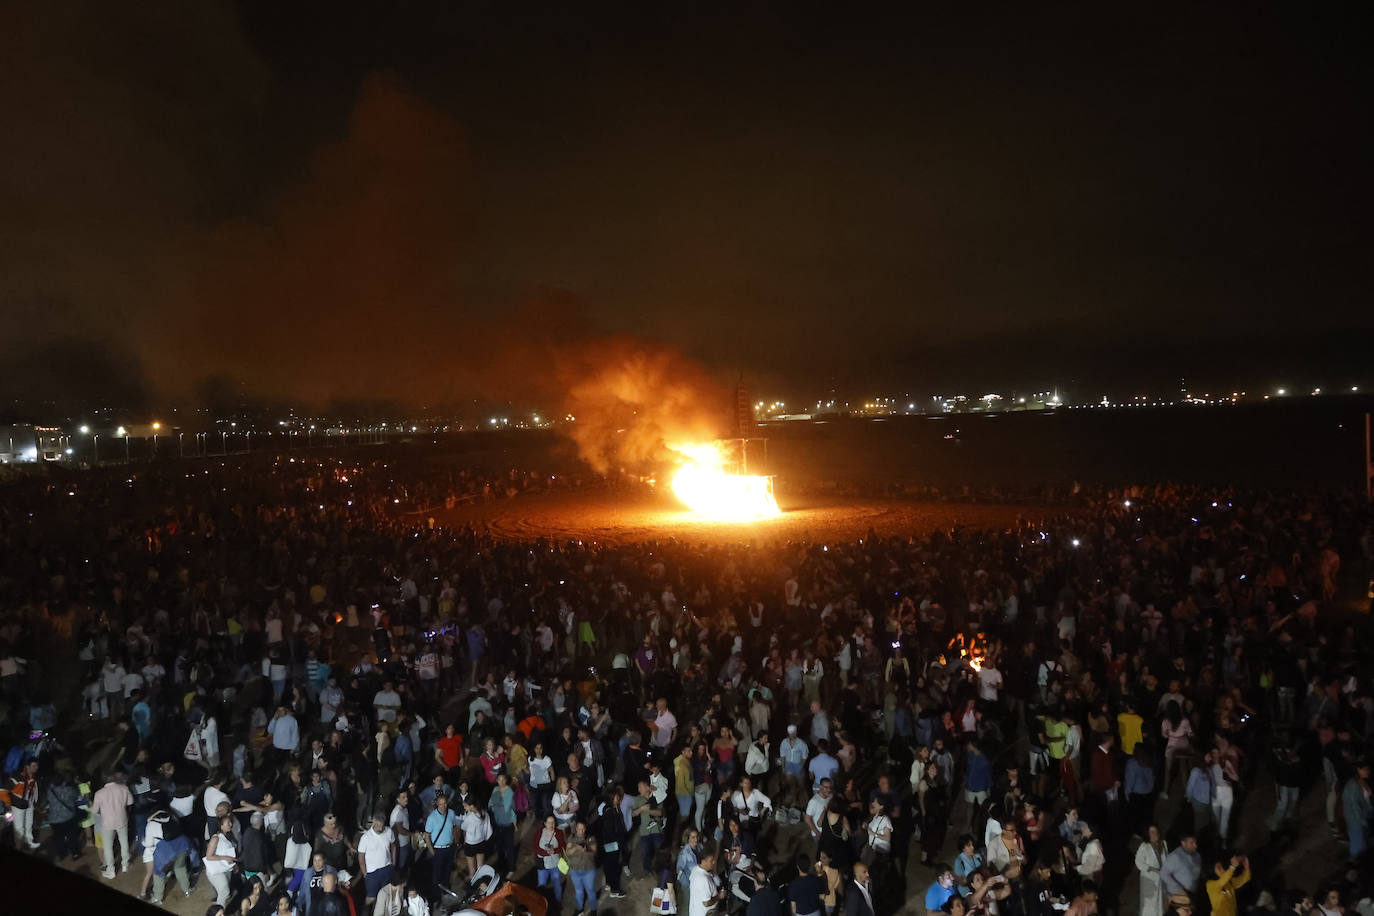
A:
{"x":584,"y":887}
{"x":555,"y":877}
{"x":1285,"y":808}
{"x":684,"y":805}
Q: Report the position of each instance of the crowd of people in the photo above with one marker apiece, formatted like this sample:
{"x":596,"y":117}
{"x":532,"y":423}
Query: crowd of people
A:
{"x":261,"y":685}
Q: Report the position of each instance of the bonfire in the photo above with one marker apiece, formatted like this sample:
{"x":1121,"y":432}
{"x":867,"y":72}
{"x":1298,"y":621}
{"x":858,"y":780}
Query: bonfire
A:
{"x":705,"y":484}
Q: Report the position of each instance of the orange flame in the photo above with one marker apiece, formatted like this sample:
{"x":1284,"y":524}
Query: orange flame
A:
{"x":703,"y":484}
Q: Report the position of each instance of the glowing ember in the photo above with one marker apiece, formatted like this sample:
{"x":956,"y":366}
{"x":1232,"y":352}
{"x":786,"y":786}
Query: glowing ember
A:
{"x":709,"y":491}
{"x":972,"y":652}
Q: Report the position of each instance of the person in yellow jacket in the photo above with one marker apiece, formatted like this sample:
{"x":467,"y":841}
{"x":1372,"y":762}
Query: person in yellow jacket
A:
{"x":682,"y":781}
{"x":1222,"y":889}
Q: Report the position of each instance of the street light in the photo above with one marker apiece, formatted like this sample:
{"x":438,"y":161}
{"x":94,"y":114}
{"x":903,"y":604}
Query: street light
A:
{"x":156,"y":427}
{"x":181,"y":445}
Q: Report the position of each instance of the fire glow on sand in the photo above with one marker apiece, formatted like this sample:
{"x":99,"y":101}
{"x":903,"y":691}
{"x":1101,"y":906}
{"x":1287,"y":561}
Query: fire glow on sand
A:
{"x":712,"y":493}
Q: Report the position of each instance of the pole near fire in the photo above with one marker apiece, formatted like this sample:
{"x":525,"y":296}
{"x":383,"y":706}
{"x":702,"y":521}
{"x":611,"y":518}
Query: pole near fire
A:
{"x":1368,"y":463}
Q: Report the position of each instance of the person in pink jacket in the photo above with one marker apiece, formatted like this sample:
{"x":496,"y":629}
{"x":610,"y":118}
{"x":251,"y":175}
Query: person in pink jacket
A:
{"x":111,"y":809}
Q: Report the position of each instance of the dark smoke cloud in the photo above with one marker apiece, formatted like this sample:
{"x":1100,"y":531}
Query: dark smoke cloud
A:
{"x":348,"y":286}
{"x":73,"y":372}
{"x":351,"y":288}
{"x":145,"y":255}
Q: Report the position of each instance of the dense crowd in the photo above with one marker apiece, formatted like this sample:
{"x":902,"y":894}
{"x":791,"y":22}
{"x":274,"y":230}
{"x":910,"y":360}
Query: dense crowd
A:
{"x":267,"y":686}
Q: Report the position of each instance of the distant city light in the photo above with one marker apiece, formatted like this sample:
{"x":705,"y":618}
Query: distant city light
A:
{"x":121,"y":432}
{"x":1282,"y":392}
{"x":1075,"y":542}
{"x":85,"y":430}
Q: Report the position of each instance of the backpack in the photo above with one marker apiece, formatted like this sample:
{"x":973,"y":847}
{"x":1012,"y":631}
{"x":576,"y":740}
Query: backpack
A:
{"x":171,"y":828}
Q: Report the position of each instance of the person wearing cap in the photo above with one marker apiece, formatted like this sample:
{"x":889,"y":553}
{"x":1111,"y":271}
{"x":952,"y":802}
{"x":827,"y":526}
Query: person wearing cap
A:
{"x":376,"y":856}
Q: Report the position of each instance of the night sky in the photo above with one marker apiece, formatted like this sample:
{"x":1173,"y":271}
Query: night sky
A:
{"x":430,"y":201}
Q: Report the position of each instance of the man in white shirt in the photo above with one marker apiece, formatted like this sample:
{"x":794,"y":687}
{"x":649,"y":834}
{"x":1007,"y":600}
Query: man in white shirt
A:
{"x":112,"y":676}
{"x":331,"y":698}
{"x":664,"y":725}
{"x":989,"y":683}
{"x":376,"y":853}
{"x":212,"y":799}
{"x":704,"y":890}
{"x":400,"y":826}
{"x":388,"y":702}
{"x":658,"y":783}
{"x":815,"y":809}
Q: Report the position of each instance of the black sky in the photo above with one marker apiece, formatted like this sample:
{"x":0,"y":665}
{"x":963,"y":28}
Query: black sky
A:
{"x":822,"y":195}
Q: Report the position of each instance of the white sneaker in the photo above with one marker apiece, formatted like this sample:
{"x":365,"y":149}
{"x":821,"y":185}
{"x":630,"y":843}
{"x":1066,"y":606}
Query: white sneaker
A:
{"x":107,"y":874}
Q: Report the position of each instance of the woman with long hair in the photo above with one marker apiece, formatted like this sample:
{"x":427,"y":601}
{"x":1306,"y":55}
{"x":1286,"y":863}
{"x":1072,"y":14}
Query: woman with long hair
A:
{"x":687,"y":859}
{"x":477,"y":832}
{"x":541,"y":780}
{"x":565,"y":804}
{"x":549,"y":845}
{"x":580,"y":850}
{"x":1149,"y":860}
{"x":1177,"y":732}
{"x":703,"y":780}
{"x":932,"y":795}
{"x":723,"y":749}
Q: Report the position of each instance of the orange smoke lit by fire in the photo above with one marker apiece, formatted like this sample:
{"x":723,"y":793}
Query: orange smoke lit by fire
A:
{"x":703,"y":484}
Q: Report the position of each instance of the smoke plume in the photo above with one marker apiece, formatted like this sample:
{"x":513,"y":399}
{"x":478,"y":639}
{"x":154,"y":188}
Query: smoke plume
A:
{"x":630,"y":399}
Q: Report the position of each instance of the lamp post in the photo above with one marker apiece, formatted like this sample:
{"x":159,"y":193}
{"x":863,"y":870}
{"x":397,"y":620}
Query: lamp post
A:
{"x":223,"y":442}
{"x":181,"y":445}
{"x":156,"y":427}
